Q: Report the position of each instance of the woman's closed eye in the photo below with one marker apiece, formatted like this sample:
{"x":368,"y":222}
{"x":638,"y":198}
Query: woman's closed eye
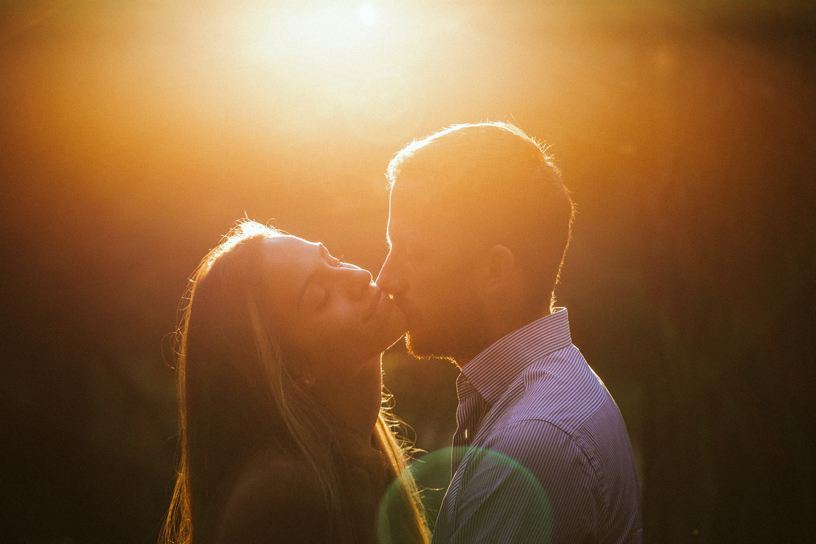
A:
{"x":317,"y":293}
{"x":316,"y":296}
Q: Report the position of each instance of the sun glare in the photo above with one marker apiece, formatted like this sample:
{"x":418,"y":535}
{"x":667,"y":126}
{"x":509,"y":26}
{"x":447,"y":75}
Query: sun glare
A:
{"x":368,"y":14}
{"x":333,"y":27}
{"x":356,"y":64}
{"x":338,"y":35}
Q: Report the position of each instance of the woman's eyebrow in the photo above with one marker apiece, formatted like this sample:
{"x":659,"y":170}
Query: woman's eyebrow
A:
{"x":326,"y":254}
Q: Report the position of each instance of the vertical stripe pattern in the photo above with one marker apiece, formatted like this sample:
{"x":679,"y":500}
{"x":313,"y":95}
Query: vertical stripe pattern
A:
{"x":472,"y":409}
{"x":549,"y":458}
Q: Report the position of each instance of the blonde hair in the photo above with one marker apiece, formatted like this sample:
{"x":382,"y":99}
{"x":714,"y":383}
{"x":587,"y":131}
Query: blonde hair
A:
{"x":226,"y":345}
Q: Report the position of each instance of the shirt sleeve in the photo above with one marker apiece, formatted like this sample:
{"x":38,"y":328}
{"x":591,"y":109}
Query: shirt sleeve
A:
{"x":531,"y":483}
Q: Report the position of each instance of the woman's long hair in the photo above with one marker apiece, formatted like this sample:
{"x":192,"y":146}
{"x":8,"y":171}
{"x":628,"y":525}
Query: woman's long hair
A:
{"x":237,"y":397}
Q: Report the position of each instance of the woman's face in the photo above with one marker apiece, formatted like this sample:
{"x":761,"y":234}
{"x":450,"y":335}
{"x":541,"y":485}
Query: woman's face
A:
{"x":327,"y":312}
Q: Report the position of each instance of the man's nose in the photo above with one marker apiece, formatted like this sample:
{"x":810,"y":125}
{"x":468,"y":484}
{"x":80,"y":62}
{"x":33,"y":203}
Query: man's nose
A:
{"x":391,"y":279}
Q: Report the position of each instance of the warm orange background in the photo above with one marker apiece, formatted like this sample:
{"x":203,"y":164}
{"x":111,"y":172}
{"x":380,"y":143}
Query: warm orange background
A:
{"x":134,"y":132}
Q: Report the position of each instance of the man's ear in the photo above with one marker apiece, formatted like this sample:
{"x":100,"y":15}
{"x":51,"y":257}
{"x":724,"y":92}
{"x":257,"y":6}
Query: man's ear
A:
{"x":496,"y":268}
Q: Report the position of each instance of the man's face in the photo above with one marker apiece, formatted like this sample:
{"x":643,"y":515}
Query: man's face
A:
{"x":429,"y":274}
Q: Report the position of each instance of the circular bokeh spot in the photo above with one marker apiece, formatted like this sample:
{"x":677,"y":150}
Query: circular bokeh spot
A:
{"x":430,"y":476}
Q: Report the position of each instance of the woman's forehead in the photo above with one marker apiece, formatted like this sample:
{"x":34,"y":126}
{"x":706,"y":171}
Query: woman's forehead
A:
{"x":289,"y":245}
{"x":289,"y":260}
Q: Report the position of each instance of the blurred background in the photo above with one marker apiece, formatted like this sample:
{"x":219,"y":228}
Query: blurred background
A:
{"x":133,"y":133}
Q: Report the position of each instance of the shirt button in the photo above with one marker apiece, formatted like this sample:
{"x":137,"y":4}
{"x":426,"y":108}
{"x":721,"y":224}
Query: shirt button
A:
{"x":466,"y":434}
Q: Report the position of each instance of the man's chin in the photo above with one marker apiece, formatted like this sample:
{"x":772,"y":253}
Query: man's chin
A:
{"x":394,"y":341}
{"x":423,"y":346}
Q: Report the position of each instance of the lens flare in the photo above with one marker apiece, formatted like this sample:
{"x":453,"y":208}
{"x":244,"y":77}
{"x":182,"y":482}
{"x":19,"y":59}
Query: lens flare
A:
{"x":432,"y":476}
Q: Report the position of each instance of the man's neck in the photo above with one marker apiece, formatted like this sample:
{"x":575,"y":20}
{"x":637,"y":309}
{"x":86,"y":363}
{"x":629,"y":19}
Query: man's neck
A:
{"x":497,"y":329}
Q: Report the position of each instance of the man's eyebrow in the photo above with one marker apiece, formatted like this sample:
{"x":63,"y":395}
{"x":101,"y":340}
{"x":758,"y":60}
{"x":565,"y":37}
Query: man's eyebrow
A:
{"x":323,"y":252}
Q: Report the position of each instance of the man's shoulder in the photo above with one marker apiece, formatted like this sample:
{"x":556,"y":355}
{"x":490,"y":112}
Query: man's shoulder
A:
{"x":533,"y":442}
{"x":560,"y":389}
{"x":563,"y":409}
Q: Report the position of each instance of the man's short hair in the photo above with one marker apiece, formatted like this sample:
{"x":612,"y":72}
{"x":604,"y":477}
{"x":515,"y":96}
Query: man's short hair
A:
{"x":496,"y":185}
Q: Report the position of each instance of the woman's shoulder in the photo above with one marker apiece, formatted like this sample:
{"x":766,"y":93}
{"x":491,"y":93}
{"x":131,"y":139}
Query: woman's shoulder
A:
{"x":267,"y":470}
{"x":274,"y":499}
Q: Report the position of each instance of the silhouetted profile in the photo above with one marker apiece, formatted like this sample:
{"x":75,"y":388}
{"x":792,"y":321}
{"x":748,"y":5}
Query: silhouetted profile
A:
{"x":283,"y":434}
{"x":479,"y":224}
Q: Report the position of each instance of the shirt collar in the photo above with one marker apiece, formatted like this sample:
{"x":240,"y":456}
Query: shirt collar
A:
{"x":494,"y":369}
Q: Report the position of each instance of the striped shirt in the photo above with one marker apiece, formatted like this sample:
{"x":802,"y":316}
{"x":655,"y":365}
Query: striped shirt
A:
{"x":541,"y":452}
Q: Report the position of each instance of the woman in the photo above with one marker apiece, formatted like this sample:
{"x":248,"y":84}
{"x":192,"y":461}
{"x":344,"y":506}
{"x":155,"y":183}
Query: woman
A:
{"x":283,"y":433}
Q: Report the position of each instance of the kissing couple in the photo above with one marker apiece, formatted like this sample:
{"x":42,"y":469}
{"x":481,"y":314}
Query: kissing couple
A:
{"x":284,"y":436}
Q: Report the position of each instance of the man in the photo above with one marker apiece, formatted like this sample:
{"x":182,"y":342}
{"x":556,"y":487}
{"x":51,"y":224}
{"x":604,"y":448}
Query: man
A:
{"x":479,"y":223}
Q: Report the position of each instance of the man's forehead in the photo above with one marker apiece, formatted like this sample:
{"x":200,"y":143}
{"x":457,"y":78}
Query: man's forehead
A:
{"x":414,"y":192}
{"x":417,"y":210}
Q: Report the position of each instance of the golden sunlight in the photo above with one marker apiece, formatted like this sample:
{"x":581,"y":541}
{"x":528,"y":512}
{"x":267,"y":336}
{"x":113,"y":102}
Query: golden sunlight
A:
{"x":368,"y":14}
{"x":337,"y":34}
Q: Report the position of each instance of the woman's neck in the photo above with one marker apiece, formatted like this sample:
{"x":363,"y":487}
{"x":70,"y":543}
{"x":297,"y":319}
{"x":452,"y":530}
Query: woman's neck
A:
{"x":354,"y":398}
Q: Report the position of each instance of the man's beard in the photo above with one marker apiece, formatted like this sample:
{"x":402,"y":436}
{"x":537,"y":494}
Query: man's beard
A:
{"x":454,"y":337}
{"x":425,"y":345}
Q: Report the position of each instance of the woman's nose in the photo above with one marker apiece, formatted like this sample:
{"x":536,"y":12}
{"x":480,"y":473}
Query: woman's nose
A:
{"x":358,"y":280}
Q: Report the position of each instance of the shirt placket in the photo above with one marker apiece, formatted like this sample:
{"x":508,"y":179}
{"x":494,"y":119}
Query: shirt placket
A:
{"x":466,"y":421}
